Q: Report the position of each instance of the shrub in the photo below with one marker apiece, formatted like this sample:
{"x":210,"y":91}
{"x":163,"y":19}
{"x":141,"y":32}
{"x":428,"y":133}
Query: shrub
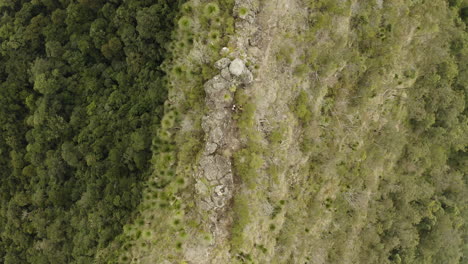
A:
{"x":276,"y":136}
{"x":243,"y":11}
{"x":300,"y":70}
{"x":285,"y":54}
{"x":185,"y":23}
{"x":241,"y":219}
{"x":301,"y":107}
{"x":247,"y":164}
{"x":214,"y":35}
{"x":211,"y":10}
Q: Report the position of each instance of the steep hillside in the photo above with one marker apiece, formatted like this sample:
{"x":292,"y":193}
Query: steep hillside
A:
{"x":234,"y":131}
{"x":347,"y":145}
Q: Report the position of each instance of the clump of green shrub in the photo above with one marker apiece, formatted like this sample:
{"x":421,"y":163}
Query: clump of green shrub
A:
{"x":185,"y":23}
{"x":241,"y":219}
{"x":168,"y":120}
{"x":301,"y":70}
{"x":247,"y":163}
{"x":211,"y":10}
{"x":243,"y":11}
{"x":214,"y":35}
{"x":285,"y":54}
{"x":301,"y":107}
{"x":187,"y":8}
{"x":273,"y":172}
{"x":272,"y":227}
{"x":277,"y":135}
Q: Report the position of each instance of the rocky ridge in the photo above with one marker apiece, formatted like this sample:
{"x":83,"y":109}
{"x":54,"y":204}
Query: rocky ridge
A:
{"x":215,"y":179}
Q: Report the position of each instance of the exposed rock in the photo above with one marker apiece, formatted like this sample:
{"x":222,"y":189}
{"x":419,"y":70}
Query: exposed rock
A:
{"x":206,"y":126}
{"x":196,"y":252}
{"x":211,"y":172}
{"x":210,"y":148}
{"x":256,"y":39}
{"x":205,"y":205}
{"x":215,"y":167}
{"x":222,"y":63}
{"x":227,"y":180}
{"x":237,"y":67}
{"x":218,"y":202}
{"x":223,"y":164}
{"x":255,"y":51}
{"x":246,"y":76}
{"x":217,"y":135}
{"x":224,"y":51}
{"x":220,"y":190}
{"x":226,"y":74}
{"x":215,"y":85}
{"x":214,"y":177}
{"x":201,"y":188}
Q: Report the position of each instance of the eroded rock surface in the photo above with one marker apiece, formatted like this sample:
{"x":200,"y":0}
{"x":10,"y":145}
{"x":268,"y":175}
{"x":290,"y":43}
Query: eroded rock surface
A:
{"x":214,"y":176}
{"x":214,"y":179}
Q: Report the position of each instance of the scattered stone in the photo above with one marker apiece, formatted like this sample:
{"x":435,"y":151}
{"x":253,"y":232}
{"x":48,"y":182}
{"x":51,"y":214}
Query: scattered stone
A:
{"x":216,"y":85}
{"x":222,"y":63}
{"x":218,"y":202}
{"x":226,"y":74}
{"x":215,"y":167}
{"x":249,"y":18}
{"x":220,"y":190}
{"x":201,"y":188}
{"x":237,"y":67}
{"x":223,"y":164}
{"x":206,"y":124}
{"x":210,"y":148}
{"x":217,"y":135}
{"x":220,"y":115}
{"x":246,"y":77}
{"x":206,"y":205}
{"x":227,"y":180}
{"x":224,"y":51}
{"x":211,"y":172}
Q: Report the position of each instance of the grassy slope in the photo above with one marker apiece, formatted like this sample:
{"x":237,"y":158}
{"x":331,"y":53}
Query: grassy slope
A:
{"x":374,"y":177}
{"x":354,"y":152}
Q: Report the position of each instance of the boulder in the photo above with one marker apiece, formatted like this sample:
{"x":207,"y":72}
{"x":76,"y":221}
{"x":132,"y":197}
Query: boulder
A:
{"x":237,"y":67}
{"x":246,"y":77}
{"x":210,"y":148}
{"x":222,"y":63}
{"x":226,"y":74}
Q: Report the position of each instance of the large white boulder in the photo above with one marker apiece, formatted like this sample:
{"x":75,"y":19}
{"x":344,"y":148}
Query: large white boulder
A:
{"x":237,"y":67}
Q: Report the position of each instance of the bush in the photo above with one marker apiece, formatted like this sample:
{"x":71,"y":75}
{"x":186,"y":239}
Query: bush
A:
{"x":211,"y":10}
{"x":301,"y":107}
{"x":247,"y":163}
{"x":185,"y":23}
{"x":243,"y":11}
{"x":241,"y":219}
{"x":285,"y":54}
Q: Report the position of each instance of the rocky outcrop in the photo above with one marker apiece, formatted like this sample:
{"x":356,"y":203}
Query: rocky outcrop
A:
{"x":214,"y":176}
{"x":215,"y":164}
{"x":214,"y":179}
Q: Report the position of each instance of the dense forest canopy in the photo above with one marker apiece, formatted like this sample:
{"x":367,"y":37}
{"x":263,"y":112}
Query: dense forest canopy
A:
{"x":81,"y":94}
